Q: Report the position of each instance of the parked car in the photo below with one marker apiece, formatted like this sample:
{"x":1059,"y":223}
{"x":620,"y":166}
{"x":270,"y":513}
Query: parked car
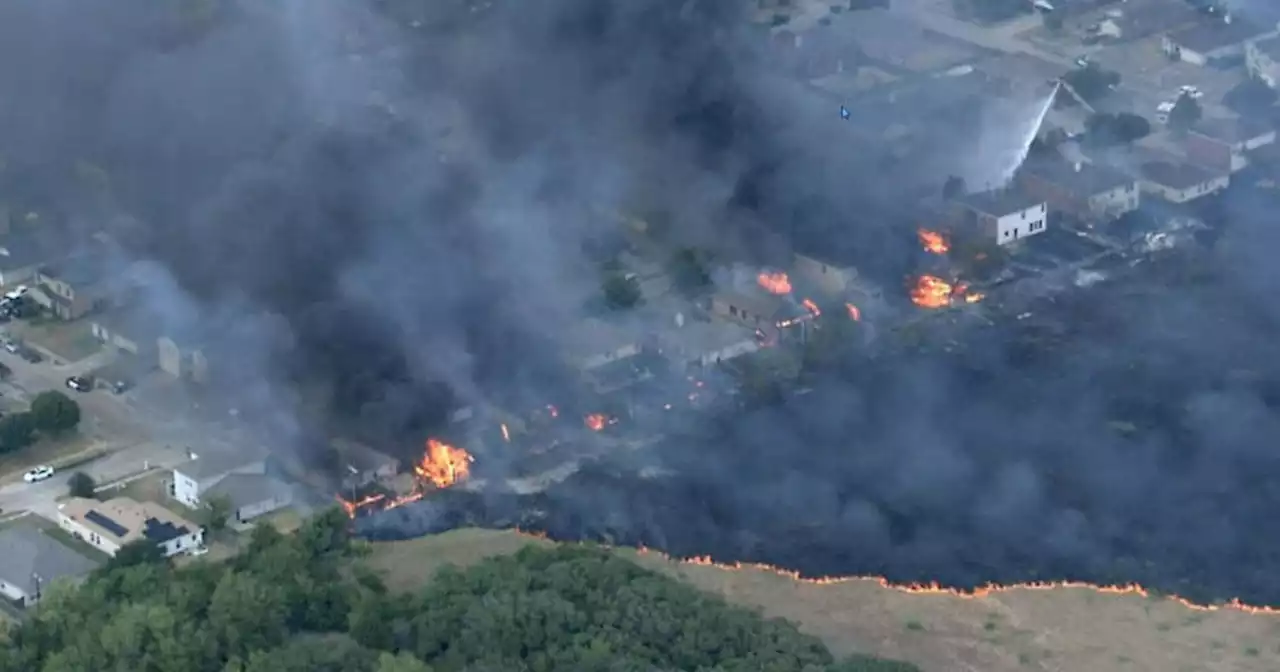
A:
{"x":38,"y":474}
{"x":30,"y":355}
{"x":12,"y":346}
{"x":80,"y":383}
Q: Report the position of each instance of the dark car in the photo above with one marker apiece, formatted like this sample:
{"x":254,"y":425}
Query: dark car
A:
{"x":80,"y":383}
{"x":30,"y":355}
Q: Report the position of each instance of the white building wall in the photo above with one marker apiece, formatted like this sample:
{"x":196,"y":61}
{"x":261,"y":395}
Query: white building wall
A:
{"x":88,"y":536}
{"x":183,"y":544}
{"x":186,"y":489}
{"x":1116,"y":202}
{"x":1013,"y":227}
{"x":13,"y":592}
{"x":1190,"y":193}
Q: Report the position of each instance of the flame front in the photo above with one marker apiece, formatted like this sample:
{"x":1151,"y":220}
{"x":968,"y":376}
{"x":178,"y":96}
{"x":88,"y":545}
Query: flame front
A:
{"x":596,"y":421}
{"x":443,"y":464}
{"x":931,"y":292}
{"x":775,"y":283}
{"x":933,"y":242}
{"x":854,"y":313}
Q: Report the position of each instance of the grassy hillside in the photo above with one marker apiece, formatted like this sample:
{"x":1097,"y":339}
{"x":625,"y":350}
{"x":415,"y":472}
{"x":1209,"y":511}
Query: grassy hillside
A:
{"x":1065,"y":630}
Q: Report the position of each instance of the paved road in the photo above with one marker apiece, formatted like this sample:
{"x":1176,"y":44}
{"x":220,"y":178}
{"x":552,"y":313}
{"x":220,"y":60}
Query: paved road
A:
{"x":126,"y":462}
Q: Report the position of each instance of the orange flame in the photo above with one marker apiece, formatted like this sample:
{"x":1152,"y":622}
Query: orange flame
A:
{"x":812,"y":307}
{"x":933,"y":242}
{"x":974,"y":297}
{"x":352,"y":507}
{"x":596,"y":421}
{"x":934,"y":588}
{"x":775,"y":283}
{"x":854,"y":313}
{"x":443,"y":464}
{"x":931,"y":292}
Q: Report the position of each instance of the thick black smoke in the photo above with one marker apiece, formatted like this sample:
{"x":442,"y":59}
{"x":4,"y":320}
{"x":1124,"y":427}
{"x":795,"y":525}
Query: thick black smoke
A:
{"x":377,"y":208}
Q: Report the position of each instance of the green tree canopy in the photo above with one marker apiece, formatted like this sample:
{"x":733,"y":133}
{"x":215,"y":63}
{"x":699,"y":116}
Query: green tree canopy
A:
{"x":1107,"y":130}
{"x":53,"y":411}
{"x":1091,"y":82}
{"x":298,"y":604}
{"x":17,"y":431}
{"x":620,"y":291}
{"x":1185,"y":113}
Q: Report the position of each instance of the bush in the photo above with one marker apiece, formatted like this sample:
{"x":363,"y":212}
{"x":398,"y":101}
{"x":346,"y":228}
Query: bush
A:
{"x":81,"y":485}
{"x":17,"y":431}
{"x":54,"y":411}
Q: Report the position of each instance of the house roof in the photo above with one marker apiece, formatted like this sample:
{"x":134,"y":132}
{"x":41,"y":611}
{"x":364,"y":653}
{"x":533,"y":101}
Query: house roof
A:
{"x":361,"y":457}
{"x":248,"y":489}
{"x":135,"y":322}
{"x":1232,"y":131}
{"x":209,"y":463}
{"x":1000,"y":202}
{"x":1090,"y":180}
{"x":1212,"y":35}
{"x":1176,"y":175}
{"x":32,"y":557}
{"x":123,"y":520}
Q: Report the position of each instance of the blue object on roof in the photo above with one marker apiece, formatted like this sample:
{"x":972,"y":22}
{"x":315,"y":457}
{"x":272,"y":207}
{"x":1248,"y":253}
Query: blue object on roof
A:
{"x":106,"y":523}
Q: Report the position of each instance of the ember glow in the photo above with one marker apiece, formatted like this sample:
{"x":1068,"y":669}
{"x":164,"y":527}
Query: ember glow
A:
{"x":444,"y":465}
{"x":933,"y":242}
{"x":775,"y":283}
{"x":812,"y":307}
{"x":930,"y":291}
{"x":596,"y":421}
{"x":854,"y":313}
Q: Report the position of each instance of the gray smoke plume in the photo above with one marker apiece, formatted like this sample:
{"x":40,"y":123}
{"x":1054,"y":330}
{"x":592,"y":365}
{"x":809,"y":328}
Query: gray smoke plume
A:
{"x":377,"y":210}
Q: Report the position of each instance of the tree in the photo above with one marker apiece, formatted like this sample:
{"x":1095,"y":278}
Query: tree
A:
{"x":82,"y":485}
{"x":621,"y":292}
{"x":1251,"y":98}
{"x":53,"y":411}
{"x":134,"y":553}
{"x":17,"y":431}
{"x":1185,"y":113}
{"x":954,"y":187}
{"x":215,"y":514}
{"x":1105,"y":130}
{"x":689,"y":271}
{"x":1091,"y":82}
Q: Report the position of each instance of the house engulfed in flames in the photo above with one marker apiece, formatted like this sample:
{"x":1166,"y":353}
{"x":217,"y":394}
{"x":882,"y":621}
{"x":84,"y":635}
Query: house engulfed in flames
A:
{"x":764,"y":300}
{"x":441,"y":466}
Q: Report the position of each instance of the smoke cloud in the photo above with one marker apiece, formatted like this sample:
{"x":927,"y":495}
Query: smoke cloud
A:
{"x":378,"y":211}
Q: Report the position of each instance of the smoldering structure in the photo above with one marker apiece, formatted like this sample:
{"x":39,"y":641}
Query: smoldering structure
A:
{"x":411,"y":198}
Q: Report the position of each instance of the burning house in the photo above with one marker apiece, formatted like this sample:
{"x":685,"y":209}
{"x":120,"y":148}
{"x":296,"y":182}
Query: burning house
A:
{"x":763,"y":300}
{"x":361,"y":466}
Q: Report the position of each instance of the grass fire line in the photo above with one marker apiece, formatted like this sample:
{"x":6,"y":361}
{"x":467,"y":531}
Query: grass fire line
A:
{"x":980,"y":592}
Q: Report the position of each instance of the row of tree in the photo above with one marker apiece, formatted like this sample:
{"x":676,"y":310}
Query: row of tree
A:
{"x":299,"y":604}
{"x":51,"y":412}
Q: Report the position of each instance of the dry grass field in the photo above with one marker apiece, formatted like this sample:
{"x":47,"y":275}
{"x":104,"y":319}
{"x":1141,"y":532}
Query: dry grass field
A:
{"x":1019,"y":630}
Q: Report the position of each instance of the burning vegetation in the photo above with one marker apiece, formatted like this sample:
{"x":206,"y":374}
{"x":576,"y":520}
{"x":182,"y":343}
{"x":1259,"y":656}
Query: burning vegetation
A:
{"x":930,"y":291}
{"x":933,"y":242}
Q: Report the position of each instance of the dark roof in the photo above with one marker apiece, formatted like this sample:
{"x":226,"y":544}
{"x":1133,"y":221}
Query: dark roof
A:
{"x":1000,"y":202}
{"x":30,"y":553}
{"x":1215,"y":34}
{"x":160,"y":531}
{"x":1232,"y":131}
{"x":360,"y":456}
{"x":1091,"y":179}
{"x":1176,"y":175}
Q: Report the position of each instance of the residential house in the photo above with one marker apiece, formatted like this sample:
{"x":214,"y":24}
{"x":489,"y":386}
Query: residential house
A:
{"x":361,"y":465}
{"x":182,"y":359}
{"x":829,"y":276}
{"x":1179,"y":182}
{"x":1262,"y":59}
{"x":32,"y":561}
{"x":71,"y":289}
{"x":1086,"y":190}
{"x":595,"y":342}
{"x":1005,"y":215}
{"x":1223,"y":144}
{"x":1215,"y":39}
{"x":206,"y":468}
{"x":112,"y":524}
{"x":132,"y":329}
{"x":691,"y":343}
{"x":251,"y":495}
